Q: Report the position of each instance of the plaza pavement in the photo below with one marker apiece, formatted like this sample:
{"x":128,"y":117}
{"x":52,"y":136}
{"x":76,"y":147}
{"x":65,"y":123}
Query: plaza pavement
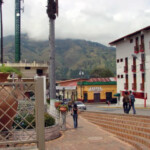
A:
{"x":86,"y":137}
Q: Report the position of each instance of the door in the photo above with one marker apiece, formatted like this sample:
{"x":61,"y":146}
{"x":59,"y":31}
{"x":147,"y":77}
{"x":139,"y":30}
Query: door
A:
{"x":96,"y":97}
{"x":108,"y":96}
{"x":85,"y":97}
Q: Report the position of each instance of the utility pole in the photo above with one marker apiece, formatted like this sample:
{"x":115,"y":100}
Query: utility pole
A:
{"x":52,"y":11}
{"x":18,"y":30}
{"x":2,"y":53}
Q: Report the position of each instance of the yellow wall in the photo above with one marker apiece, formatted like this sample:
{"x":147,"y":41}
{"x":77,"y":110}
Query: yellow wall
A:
{"x":105,"y":88}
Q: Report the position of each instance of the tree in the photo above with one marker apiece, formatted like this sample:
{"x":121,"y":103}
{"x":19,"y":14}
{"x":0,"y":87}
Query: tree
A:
{"x":101,"y":73}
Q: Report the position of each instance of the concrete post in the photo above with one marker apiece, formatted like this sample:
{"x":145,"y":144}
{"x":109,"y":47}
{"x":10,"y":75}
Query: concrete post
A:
{"x":40,"y":127}
{"x":63,"y":125}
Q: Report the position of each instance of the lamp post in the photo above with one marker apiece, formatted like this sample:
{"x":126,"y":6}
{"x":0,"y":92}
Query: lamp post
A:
{"x":2,"y":59}
{"x":81,"y":74}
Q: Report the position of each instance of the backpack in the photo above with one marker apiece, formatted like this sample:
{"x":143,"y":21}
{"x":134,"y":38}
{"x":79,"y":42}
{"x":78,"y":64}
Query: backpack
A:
{"x":132,"y":98}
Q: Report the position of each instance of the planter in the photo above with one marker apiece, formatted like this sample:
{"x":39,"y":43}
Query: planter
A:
{"x":8,"y":108}
{"x":3,"y":76}
{"x":63,"y":109}
{"x":57,"y":104}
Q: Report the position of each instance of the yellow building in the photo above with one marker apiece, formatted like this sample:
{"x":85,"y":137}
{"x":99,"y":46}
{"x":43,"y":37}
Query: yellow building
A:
{"x":97,"y":91}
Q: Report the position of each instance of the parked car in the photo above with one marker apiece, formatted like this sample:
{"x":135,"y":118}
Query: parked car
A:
{"x":80,"y":105}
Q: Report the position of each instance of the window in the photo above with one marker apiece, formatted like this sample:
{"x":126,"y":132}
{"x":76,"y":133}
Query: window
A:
{"x":121,"y":76}
{"x":137,"y":41}
{"x":131,"y":40}
{"x":118,"y":76}
{"x":117,"y":60}
{"x":27,"y":68}
{"x":121,"y":60}
{"x":39,"y":72}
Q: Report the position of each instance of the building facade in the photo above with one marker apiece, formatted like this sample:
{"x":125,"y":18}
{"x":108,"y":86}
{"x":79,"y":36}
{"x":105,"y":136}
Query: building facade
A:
{"x":67,"y":89}
{"x":97,"y":90}
{"x":29,"y":70}
{"x":133,"y":67}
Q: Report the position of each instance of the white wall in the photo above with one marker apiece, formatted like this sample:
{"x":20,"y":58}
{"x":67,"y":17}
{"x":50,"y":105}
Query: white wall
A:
{"x":126,"y":49}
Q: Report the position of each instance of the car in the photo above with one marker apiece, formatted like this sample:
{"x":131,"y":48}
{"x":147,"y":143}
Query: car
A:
{"x":80,"y":105}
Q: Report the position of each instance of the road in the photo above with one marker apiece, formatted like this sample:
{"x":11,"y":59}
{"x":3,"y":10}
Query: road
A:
{"x":115,"y":109}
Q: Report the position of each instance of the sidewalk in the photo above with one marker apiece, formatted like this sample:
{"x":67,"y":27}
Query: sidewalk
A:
{"x":86,"y":137}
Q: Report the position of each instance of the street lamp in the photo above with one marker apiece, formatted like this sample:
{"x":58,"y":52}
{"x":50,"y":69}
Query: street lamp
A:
{"x":81,"y":74}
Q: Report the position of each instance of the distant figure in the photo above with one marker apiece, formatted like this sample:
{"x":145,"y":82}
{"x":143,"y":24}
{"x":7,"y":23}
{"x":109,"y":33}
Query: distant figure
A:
{"x":75,"y":115}
{"x":131,"y":104}
{"x":69,"y":105}
{"x":126,"y":103}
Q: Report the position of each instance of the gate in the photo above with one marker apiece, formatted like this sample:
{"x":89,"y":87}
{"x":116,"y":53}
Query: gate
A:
{"x":22,"y":117}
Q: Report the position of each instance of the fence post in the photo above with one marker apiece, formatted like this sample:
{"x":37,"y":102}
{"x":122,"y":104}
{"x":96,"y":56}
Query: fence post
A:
{"x":39,"y":102}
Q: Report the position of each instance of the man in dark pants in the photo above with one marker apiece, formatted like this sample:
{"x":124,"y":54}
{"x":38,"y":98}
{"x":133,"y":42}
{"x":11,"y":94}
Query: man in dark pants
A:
{"x":126,"y":103}
{"x":132,"y":100}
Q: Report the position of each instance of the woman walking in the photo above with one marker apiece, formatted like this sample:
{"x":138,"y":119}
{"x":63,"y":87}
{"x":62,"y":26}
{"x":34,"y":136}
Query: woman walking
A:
{"x":75,"y":115}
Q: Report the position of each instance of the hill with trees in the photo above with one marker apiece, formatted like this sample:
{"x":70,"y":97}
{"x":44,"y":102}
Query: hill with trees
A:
{"x":71,"y":55}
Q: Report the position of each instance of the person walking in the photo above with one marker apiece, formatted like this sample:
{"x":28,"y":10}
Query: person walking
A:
{"x":126,"y":102}
{"x":75,"y":115}
{"x":132,"y":100}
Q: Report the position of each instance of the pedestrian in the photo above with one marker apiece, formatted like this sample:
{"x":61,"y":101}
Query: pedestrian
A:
{"x":75,"y":115}
{"x":126,"y":102}
{"x":69,"y":105}
{"x":132,"y":100}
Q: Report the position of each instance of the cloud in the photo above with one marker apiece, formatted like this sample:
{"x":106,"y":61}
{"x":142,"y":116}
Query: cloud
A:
{"x":97,"y":20}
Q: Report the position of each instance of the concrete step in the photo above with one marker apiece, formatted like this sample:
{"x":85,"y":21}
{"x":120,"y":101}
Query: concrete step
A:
{"x":121,"y":116}
{"x":126,"y":124}
{"x":126,"y":135}
{"x":131,"y":128}
{"x":122,"y":120}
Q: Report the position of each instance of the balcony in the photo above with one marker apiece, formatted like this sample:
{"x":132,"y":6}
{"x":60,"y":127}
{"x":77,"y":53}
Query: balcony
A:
{"x":136,"y":49}
{"x":134,"y":86}
{"x":142,"y":67}
{"x":125,"y":69}
{"x":133,"y":68}
{"x":126,"y":86}
{"x":142,"y":48}
{"x":142,"y":86}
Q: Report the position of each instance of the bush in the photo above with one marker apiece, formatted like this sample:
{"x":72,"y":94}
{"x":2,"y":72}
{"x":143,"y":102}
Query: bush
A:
{"x":5,"y":69}
{"x":48,"y":101}
{"x":49,"y":121}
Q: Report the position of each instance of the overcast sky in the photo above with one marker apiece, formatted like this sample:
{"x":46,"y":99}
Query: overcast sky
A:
{"x":96,"y":20}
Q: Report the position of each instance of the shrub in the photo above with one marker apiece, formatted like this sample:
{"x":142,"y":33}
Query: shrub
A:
{"x":6,"y":69}
{"x":23,"y":123}
{"x":48,"y":101}
{"x":49,"y":120}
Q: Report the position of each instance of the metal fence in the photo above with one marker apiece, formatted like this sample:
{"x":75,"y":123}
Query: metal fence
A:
{"x":22,"y":115}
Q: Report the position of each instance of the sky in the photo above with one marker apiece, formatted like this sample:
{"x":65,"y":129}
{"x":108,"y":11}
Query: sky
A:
{"x":100,"y":21}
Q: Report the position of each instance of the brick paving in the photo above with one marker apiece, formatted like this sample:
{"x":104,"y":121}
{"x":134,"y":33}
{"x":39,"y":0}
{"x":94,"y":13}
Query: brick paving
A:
{"x":86,"y":137}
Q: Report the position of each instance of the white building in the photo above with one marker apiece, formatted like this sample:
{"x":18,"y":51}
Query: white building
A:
{"x":133,"y":65}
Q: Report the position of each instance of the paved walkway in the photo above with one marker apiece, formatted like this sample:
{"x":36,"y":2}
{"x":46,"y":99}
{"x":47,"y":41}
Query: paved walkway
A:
{"x":86,"y":137}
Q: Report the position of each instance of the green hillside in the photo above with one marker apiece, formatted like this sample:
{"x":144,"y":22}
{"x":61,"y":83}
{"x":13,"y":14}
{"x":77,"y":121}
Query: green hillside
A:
{"x":71,"y":55}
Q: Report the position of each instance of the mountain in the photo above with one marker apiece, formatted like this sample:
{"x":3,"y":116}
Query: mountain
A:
{"x":71,"y":55}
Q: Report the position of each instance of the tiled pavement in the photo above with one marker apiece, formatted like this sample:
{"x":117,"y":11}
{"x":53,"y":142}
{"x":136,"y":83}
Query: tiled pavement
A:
{"x":86,"y":137}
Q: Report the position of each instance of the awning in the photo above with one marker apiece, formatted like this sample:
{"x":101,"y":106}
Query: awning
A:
{"x":117,"y":94}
